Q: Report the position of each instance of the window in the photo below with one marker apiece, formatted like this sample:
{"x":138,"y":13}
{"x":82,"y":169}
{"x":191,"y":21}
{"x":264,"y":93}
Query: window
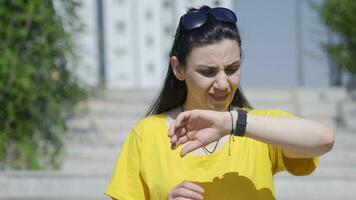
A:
{"x":120,"y":26}
{"x":149,"y":41}
{"x":167,"y":53}
{"x":217,"y":3}
{"x":122,"y":77}
{"x":150,"y":68}
{"x":166,"y":4}
{"x":120,"y":1}
{"x":167,"y":30}
{"x":120,"y":51}
{"x":148,"y":14}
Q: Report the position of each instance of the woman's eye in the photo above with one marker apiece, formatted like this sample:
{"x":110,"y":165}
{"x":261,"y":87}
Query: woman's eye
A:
{"x":231,"y":71}
{"x":213,"y":72}
{"x":208,"y":73}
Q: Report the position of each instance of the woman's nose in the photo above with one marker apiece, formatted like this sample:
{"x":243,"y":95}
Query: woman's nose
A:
{"x":221,"y":82}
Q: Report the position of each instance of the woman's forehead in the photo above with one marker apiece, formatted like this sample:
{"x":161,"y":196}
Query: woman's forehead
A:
{"x":224,"y":52}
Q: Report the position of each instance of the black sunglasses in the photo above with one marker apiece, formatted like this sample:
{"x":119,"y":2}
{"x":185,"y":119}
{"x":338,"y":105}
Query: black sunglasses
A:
{"x":197,"y":18}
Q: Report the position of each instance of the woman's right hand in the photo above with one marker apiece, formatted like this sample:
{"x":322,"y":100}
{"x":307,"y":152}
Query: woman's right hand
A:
{"x":186,"y":191}
{"x":199,"y":128}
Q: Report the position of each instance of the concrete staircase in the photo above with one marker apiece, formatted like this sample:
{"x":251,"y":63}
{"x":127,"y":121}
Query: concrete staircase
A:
{"x":335,"y":177}
{"x":96,"y":135}
{"x":92,"y":146}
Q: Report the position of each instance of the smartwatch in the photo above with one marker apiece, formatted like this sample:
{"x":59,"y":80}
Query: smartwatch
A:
{"x":241,"y":123}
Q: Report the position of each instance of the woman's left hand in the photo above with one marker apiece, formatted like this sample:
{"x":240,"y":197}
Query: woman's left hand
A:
{"x":200,"y":127}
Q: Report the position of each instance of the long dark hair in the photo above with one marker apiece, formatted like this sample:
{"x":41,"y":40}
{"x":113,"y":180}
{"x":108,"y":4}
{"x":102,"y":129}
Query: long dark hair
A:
{"x":174,"y":91}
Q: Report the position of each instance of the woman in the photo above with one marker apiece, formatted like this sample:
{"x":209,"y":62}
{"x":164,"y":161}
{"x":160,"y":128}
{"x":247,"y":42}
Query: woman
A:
{"x":212,"y":151}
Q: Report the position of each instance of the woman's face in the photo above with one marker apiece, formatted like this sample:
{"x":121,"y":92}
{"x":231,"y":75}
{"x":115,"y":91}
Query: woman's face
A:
{"x":212,"y":75}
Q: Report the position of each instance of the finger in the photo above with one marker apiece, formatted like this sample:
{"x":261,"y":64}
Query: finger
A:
{"x":187,"y":193}
{"x":195,"y":144}
{"x":183,"y":198}
{"x":182,"y":118}
{"x":171,"y":128}
{"x":181,"y":140}
{"x":191,"y":135}
{"x":174,"y":139}
{"x":192,"y":186}
{"x":175,"y":130}
{"x":185,"y":138}
{"x":179,"y":132}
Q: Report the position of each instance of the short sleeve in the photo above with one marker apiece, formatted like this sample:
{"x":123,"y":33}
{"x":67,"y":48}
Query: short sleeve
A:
{"x":126,"y":181}
{"x":295,"y":166}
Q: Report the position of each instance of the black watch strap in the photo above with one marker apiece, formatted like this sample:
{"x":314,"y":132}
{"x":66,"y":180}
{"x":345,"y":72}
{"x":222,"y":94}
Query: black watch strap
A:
{"x":241,"y":123}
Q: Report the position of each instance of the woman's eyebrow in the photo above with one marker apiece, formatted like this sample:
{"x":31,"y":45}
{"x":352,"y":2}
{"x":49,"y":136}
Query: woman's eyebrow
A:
{"x":237,"y":62}
{"x":213,"y":67}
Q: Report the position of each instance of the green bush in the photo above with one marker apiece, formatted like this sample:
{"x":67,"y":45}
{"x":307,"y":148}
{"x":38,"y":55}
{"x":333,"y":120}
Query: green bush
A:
{"x":340,"y":17}
{"x":37,"y":90}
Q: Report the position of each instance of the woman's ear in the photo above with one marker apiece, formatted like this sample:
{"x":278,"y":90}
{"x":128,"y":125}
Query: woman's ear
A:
{"x":177,"y":69}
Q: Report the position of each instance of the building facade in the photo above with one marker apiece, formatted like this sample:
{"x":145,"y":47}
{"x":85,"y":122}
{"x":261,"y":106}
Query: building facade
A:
{"x":137,"y":36}
{"x":128,"y":48}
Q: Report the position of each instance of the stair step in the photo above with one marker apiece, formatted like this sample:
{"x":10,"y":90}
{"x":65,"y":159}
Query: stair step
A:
{"x":312,"y":187}
{"x":57,"y":197}
{"x":31,"y":184}
{"x":92,"y":167}
{"x":129,"y":95}
{"x":88,"y":152}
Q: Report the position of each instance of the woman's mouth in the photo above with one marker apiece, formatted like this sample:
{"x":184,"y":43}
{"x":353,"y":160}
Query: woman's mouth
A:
{"x":219,"y":98}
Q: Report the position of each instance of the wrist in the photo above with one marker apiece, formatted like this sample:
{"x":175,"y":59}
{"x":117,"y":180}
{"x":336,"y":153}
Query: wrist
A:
{"x":230,"y":118}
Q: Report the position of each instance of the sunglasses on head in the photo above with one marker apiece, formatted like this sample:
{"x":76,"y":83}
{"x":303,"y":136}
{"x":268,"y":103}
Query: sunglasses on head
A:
{"x":198,"y":18}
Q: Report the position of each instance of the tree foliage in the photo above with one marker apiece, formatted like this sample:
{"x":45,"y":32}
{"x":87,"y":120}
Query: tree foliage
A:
{"x":340,"y":17}
{"x":37,"y":90}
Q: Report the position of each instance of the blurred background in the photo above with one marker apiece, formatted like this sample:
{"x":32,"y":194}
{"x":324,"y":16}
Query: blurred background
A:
{"x":76,"y":75}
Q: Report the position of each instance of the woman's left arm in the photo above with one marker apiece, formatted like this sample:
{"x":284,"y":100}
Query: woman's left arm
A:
{"x":298,"y":137}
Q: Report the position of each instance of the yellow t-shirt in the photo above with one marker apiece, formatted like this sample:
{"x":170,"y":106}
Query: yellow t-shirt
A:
{"x":147,"y":168}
